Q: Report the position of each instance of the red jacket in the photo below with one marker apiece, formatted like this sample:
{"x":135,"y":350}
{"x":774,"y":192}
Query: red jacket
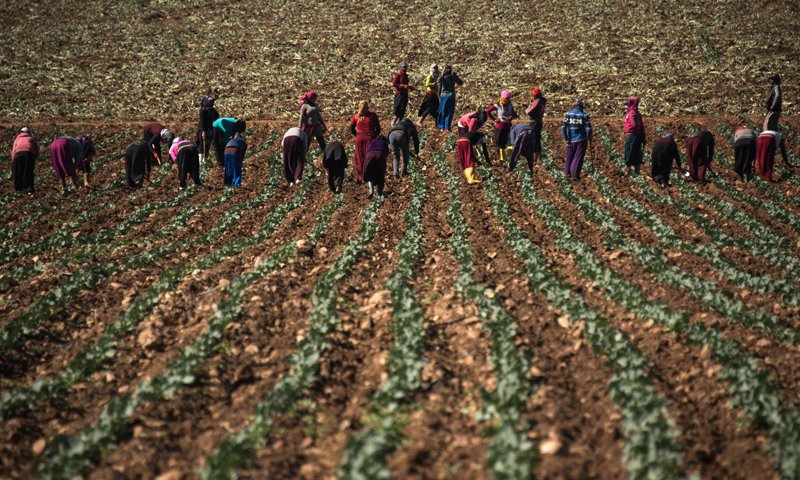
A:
{"x":368,"y":125}
{"x":400,"y":82}
{"x":25,"y":143}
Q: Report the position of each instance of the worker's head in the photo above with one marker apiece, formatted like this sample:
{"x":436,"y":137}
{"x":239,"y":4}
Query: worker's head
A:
{"x":632,"y":102}
{"x":363,"y":108}
{"x":776,"y":79}
{"x":434,"y":68}
{"x":481,"y":116}
{"x":536,"y":92}
{"x":240,"y":126}
{"x":176,"y":140}
{"x":85,"y":139}
{"x":207,"y":102}
{"x":505,"y":97}
{"x":578,"y":103}
{"x":25,"y":130}
{"x":166,"y":135}
{"x":448,"y":69}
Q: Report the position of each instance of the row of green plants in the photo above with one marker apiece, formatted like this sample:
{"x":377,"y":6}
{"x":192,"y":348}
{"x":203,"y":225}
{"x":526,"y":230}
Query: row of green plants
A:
{"x":366,"y":454}
{"x":20,"y":328}
{"x":751,"y":389}
{"x":67,"y":457}
{"x":651,"y":449}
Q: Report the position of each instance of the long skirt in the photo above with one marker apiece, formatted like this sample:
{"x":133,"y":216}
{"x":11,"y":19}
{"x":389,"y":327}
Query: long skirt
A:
{"x":294,"y":158}
{"x":765,"y":156}
{"x":429,"y":105}
{"x":400,"y":104}
{"x":523,"y":146}
{"x":232,"y":163}
{"x":633,"y":151}
{"x":188,"y":162}
{"x":573,"y":161}
{"x":22,"y":171}
{"x":375,"y":169}
{"x":447,"y":106}
{"x":465,"y":153}
{"x":399,"y":143}
{"x":220,"y":140}
{"x":61,"y":159}
{"x":137,"y":167}
{"x":697,"y":158}
{"x":362,"y":144}
{"x":744,"y":150}
{"x":771,"y":121}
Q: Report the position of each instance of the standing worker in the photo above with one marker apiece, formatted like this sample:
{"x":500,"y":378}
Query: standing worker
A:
{"x":465,"y":152}
{"x":186,"y":156}
{"x":401,"y":89}
{"x":774,"y":104}
{"x":205,"y":127}
{"x":375,"y":165}
{"x":62,"y":159}
{"x":502,"y":113}
{"x":399,"y":138}
{"x":335,"y":161}
{"x":536,"y":116}
{"x":233,"y":159}
{"x":635,"y":136}
{"x":767,"y":145}
{"x":523,"y":143}
{"x":471,"y":121}
{"x":576,"y":129}
{"x":744,"y":151}
{"x":699,"y":154}
{"x":311,"y":121}
{"x":139,"y":157}
{"x":295,"y":144}
{"x":154,"y":133}
{"x":224,"y":129}
{"x":24,"y":153}
{"x":665,"y":152}
{"x":87,"y":155}
{"x":447,"y":97}
{"x":430,"y":104}
{"x":365,"y":126}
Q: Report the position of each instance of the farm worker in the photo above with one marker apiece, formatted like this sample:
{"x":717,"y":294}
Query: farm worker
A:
{"x":365,"y":126}
{"x":635,"y":136}
{"x":766,"y":146}
{"x":295,"y":144}
{"x":335,"y":161}
{"x":466,"y":153}
{"x":401,"y":88}
{"x":577,"y":131}
{"x":311,"y":120}
{"x":205,"y":126}
{"x":502,"y":113}
{"x":224,"y":129}
{"x":154,"y":133}
{"x":185,"y":155}
{"x":447,"y":97}
{"x":23,"y":160}
{"x":536,"y":116}
{"x":400,"y":137}
{"x":87,"y":155}
{"x":430,"y":104}
{"x":62,"y":159}
{"x":234,"y":156}
{"x":375,"y":165}
{"x":774,"y":104}
{"x":139,"y":156}
{"x":744,"y":151}
{"x":699,"y":154}
{"x":665,"y":151}
{"x":471,"y":121}
{"x":523,"y":142}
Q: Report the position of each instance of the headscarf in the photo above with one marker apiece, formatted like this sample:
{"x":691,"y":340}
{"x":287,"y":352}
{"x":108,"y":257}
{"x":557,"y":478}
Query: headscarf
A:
{"x":448,"y":70}
{"x":166,"y":133}
{"x":176,"y":140}
{"x":578,"y":103}
{"x":363,"y":109}
{"x":536,"y":92}
{"x":632,"y":102}
{"x":207,"y":102}
{"x":25,"y":130}
{"x":776,"y":79}
{"x":434,"y":68}
{"x":308,"y":97}
{"x":241,"y":126}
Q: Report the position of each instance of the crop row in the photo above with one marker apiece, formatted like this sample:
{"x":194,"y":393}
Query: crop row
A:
{"x":651,"y":449}
{"x":750,"y":388}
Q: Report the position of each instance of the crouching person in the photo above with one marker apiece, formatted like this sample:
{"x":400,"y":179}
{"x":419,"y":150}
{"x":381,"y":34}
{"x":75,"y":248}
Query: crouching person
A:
{"x":138,"y":159}
{"x":335,"y":161}
{"x":186,"y":156}
{"x":665,"y":151}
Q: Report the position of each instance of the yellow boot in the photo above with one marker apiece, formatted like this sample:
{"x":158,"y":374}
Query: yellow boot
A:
{"x":470,"y":174}
{"x":501,"y":150}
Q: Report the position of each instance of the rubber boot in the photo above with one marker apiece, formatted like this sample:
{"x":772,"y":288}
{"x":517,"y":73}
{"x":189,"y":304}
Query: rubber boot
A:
{"x":369,"y":184}
{"x":470,"y":174}
{"x":502,"y":157}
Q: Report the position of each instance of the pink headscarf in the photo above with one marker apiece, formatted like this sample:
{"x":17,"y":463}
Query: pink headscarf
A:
{"x":306,"y":97}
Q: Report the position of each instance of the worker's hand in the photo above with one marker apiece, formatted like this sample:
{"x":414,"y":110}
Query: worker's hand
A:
{"x":203,"y":134}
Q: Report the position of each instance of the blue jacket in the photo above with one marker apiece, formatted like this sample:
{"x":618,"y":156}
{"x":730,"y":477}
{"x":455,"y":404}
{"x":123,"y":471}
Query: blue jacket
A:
{"x":576,"y":126}
{"x":517,"y":131}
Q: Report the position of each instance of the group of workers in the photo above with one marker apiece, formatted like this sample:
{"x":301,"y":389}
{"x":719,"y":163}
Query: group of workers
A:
{"x":70,"y":156}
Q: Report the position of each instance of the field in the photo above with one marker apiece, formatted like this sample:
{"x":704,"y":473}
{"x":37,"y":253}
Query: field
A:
{"x":530,"y":326}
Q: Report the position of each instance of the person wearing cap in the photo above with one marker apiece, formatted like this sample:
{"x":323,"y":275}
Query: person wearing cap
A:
{"x":447,"y":97}
{"x":634,"y":136}
{"x":744,"y":152}
{"x":375,"y":165}
{"x":87,"y":155}
{"x":224,"y":129}
{"x":233,"y":159}
{"x":139,"y":157}
{"x":401,"y":89}
{"x":576,"y":129}
{"x":665,"y":152}
{"x":699,"y":154}
{"x":65,"y":152}
{"x":400,"y":136}
{"x":295,"y":144}
{"x":430,"y":104}
{"x":186,"y":156}
{"x":24,"y":153}
{"x":767,"y":145}
{"x":154,"y":133}
{"x":502,"y":113}
{"x":205,"y":126}
{"x":774,"y":104}
{"x":311,"y":120}
{"x":471,"y":121}
{"x":465,"y":152}
{"x":521,"y":139}
{"x":335,"y":161}
{"x":536,"y":117}
{"x":365,"y":126}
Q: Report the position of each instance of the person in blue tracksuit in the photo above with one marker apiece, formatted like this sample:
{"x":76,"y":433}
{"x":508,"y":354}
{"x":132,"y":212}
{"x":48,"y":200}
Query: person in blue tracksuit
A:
{"x":577,"y":131}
